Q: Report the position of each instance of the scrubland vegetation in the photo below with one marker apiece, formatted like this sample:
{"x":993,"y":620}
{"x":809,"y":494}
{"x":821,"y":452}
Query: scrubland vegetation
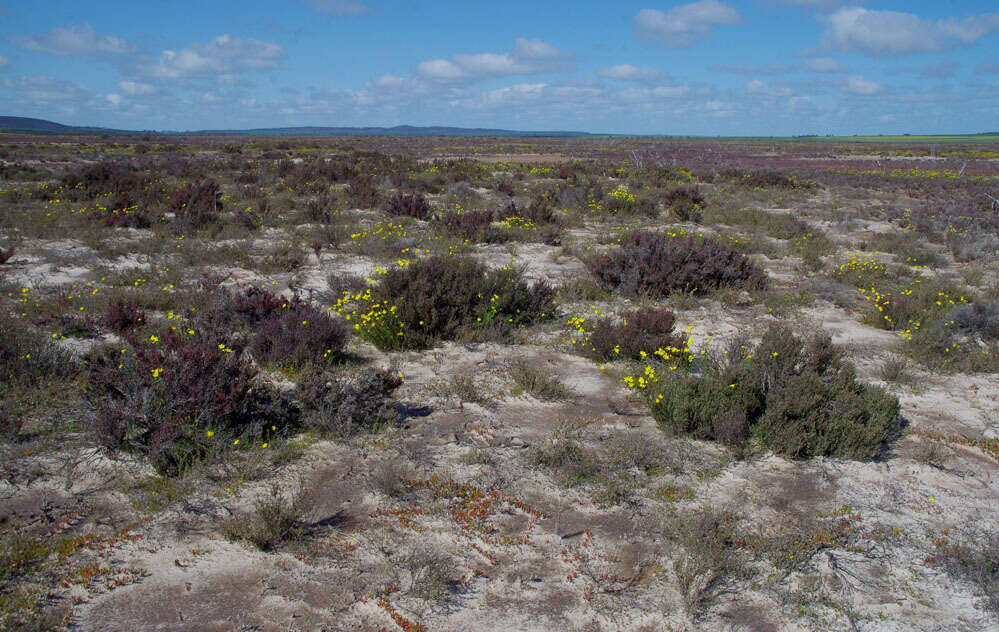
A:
{"x":431,"y":385}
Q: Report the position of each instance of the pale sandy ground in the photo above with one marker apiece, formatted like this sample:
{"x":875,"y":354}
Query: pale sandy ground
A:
{"x":553,"y":570}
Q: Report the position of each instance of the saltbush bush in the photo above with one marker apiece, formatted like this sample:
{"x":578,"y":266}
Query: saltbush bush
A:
{"x":796,"y":398}
{"x":652,"y":264}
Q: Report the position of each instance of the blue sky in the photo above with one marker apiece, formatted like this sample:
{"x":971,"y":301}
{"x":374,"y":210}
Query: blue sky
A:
{"x":735,"y":67}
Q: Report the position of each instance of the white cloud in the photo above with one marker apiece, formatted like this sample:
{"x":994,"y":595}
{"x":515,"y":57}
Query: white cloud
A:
{"x":855,"y":84}
{"x":824,"y":64}
{"x":45,"y":90}
{"x":4,"y":63}
{"x":893,"y":32}
{"x":75,"y":41}
{"x":814,"y":4}
{"x":114,"y":99}
{"x":337,"y":8}
{"x":627,"y":72}
{"x":536,"y":49}
{"x":222,"y":58}
{"x":682,"y":25}
{"x":719,"y":108}
{"x":135,"y":88}
{"x":529,"y":56}
{"x":653,"y":94}
{"x":758,"y":87}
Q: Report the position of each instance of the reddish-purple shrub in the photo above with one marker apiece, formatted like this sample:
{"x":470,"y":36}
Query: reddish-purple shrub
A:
{"x":449,"y":298}
{"x":196,"y":205}
{"x":685,"y":203}
{"x":643,"y":330}
{"x":10,"y":425}
{"x":122,"y":315}
{"x":103,"y":177}
{"x":285,"y":330}
{"x":364,"y":192}
{"x":301,"y":334}
{"x":319,"y":210}
{"x":342,"y":404}
{"x":472,"y":225}
{"x":256,"y":304}
{"x":402,"y":205}
{"x":173,"y":395}
{"x":654,"y":265}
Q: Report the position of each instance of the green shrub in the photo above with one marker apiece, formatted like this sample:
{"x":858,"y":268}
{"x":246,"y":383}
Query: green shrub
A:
{"x":798,"y":399}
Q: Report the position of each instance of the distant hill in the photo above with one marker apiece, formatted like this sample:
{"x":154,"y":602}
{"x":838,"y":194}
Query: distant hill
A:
{"x":40,"y":126}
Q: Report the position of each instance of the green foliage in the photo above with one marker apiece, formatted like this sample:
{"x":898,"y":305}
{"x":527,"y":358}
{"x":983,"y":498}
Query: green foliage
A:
{"x":797,"y":399}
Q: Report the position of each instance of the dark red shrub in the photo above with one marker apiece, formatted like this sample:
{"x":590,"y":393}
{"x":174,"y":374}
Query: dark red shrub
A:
{"x":173,"y":395}
{"x":319,"y":210}
{"x":341,"y":404}
{"x":685,"y":202}
{"x":471,"y":225}
{"x":10,"y":425}
{"x":402,"y":205}
{"x":654,"y":265}
{"x":449,"y":298}
{"x":364,"y":192}
{"x":196,"y":205}
{"x":643,"y":330}
{"x":122,"y":315}
{"x":298,"y":336}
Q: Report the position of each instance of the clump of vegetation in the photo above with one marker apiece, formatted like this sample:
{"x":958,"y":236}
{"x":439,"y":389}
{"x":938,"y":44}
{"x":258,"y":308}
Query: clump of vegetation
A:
{"x":123,"y":315}
{"x":441,"y":298}
{"x":415,"y":205}
{"x":10,"y":425}
{"x":274,"y":520}
{"x":342,"y":404}
{"x":196,"y":205}
{"x":538,"y":383}
{"x":973,"y":557}
{"x":654,"y":265}
{"x":476,"y":226}
{"x":798,"y":399}
{"x":708,"y":557}
{"x":638,"y":334}
{"x":180,"y":398}
{"x":364,"y":192}
{"x":295,"y":333}
{"x":685,"y":202}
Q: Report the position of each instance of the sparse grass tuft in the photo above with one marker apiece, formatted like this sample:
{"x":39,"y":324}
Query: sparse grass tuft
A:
{"x":537,"y":383}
